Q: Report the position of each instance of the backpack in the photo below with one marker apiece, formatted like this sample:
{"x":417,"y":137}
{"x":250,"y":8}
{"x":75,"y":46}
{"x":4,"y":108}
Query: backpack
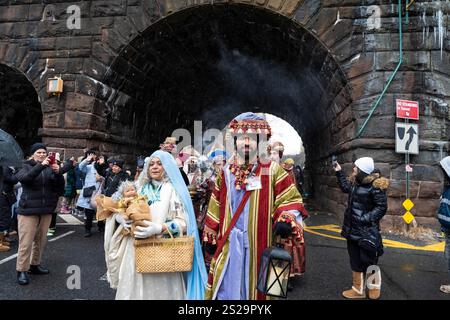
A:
{"x":444,"y":210}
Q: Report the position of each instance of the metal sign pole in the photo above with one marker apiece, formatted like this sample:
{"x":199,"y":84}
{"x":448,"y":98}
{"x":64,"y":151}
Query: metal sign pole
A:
{"x":407,"y":175}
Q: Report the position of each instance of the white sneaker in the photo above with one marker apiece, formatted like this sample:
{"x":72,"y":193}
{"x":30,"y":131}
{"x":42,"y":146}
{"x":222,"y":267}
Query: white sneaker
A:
{"x":445,"y":288}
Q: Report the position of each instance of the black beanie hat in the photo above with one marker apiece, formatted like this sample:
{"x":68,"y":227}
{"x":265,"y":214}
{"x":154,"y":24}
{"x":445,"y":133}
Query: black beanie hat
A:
{"x":36,"y":146}
{"x":88,"y":152}
{"x":118,"y":162}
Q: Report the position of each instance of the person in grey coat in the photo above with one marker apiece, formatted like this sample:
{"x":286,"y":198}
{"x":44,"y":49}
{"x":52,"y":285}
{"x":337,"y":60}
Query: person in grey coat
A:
{"x":92,"y":184}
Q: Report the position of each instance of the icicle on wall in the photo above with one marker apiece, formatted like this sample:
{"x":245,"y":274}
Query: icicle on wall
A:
{"x":436,"y":23}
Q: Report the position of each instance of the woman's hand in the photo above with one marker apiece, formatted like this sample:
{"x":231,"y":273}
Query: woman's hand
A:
{"x":337,"y":167}
{"x":90,"y":157}
{"x":46,"y":162}
{"x":151,"y":229}
{"x":101,"y":160}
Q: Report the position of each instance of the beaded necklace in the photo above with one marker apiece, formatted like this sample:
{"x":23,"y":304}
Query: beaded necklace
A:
{"x":241,"y":173}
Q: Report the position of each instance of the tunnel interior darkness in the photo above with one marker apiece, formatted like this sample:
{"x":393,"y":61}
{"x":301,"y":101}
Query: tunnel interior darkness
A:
{"x":20,"y":109}
{"x":213,"y":62}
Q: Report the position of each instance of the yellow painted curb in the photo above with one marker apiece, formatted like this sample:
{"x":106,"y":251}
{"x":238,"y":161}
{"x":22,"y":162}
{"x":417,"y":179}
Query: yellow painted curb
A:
{"x":435,"y":247}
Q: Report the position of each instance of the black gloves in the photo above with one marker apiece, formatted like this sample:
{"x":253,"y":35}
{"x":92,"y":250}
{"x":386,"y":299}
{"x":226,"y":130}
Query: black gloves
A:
{"x":283,"y":229}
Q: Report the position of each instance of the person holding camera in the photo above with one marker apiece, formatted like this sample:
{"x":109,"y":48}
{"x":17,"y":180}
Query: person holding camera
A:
{"x":64,"y":167}
{"x":366,"y":206}
{"x":92,"y":183}
{"x":139,"y":166}
{"x":102,"y":166}
{"x":42,"y":183}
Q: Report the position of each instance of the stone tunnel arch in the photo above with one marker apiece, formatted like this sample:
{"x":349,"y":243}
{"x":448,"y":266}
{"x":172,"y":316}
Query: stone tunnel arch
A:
{"x":368,"y":54}
{"x":20,"y":107}
{"x":209,"y":62}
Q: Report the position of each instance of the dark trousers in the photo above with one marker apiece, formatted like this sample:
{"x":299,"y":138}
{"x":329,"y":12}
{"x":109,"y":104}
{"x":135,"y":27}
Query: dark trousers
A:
{"x":360,"y":259}
{"x":53,"y":223}
{"x":89,"y":215}
{"x":5,"y":218}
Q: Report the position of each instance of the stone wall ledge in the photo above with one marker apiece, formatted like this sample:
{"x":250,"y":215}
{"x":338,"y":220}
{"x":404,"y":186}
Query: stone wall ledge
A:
{"x":90,"y":134}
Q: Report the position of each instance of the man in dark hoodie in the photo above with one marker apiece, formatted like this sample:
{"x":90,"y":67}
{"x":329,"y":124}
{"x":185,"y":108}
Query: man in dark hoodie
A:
{"x":42,"y":184}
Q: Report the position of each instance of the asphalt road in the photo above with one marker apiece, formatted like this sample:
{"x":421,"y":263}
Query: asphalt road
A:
{"x":406,"y":274}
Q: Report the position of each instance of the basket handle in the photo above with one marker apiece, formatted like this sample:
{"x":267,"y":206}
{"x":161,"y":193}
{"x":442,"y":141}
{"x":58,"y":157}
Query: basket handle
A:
{"x":168,"y":231}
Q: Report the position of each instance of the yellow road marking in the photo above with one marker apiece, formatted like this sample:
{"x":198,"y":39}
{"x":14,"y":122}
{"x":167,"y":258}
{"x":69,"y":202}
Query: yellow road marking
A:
{"x":435,"y":247}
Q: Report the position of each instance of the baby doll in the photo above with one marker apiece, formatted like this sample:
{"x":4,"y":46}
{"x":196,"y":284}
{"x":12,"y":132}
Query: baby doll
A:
{"x":127,"y":202}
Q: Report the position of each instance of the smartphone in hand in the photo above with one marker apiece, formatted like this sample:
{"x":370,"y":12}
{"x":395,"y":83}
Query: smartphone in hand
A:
{"x":334,"y":161}
{"x":52,"y":157}
{"x":140,"y":162}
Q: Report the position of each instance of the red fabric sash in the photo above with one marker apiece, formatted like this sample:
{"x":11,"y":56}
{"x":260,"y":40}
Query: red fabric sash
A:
{"x":237,"y":214}
{"x":223,"y":239}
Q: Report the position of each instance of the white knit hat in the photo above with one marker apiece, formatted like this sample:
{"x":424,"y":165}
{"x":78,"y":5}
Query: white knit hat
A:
{"x":445,"y":163}
{"x":365,"y":164}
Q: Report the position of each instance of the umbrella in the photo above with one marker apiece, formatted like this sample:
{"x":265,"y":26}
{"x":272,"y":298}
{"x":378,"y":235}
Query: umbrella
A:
{"x":10,"y":153}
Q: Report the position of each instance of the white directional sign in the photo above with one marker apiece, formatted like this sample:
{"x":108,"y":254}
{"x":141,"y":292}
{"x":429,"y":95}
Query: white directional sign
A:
{"x":406,"y":138}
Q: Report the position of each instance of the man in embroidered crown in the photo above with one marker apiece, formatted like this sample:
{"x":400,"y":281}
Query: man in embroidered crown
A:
{"x":262,"y":195}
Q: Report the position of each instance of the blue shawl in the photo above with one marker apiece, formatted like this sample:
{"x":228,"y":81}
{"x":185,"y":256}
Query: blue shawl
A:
{"x":197,"y":277}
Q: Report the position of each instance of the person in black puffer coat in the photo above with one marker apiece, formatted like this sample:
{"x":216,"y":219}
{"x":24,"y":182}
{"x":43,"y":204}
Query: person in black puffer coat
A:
{"x":42,"y":185}
{"x":366,"y":206}
{"x":115,"y":177}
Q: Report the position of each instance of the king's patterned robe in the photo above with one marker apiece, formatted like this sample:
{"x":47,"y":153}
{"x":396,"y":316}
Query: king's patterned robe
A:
{"x":234,"y":274}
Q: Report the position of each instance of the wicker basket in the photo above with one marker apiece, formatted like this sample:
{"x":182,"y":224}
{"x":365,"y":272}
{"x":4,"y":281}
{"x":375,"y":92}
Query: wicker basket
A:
{"x":164,"y":255}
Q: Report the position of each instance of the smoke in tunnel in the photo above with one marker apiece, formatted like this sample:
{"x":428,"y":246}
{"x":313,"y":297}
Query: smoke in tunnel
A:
{"x":210,"y":64}
{"x":254,"y":84}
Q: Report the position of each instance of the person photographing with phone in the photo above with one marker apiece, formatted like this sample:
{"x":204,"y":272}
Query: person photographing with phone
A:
{"x":42,"y":183}
{"x":366,"y":206}
{"x":92,"y":184}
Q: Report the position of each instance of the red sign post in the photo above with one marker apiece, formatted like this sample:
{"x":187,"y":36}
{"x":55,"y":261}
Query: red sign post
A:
{"x":407,"y":109}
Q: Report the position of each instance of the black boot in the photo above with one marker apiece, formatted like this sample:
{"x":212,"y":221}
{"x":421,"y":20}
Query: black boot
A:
{"x":38,"y":270}
{"x":22,"y":278}
{"x":89,"y":216}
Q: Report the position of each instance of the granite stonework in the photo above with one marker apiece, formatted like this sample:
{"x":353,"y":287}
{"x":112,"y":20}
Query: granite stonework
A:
{"x":138,"y":69}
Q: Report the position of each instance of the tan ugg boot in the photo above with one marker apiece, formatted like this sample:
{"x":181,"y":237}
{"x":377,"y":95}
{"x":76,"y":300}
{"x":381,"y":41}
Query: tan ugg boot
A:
{"x":5,"y":241}
{"x":3,"y":246}
{"x":373,"y":285}
{"x":357,"y":290}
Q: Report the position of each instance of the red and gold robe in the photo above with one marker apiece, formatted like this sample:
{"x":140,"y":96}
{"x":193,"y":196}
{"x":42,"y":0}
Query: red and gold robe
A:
{"x":278,"y":194}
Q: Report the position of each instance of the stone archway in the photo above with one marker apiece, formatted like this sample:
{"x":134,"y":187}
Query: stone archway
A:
{"x":96,"y":65}
{"x":20,"y":109}
{"x":184,"y":64}
{"x":211,"y":62}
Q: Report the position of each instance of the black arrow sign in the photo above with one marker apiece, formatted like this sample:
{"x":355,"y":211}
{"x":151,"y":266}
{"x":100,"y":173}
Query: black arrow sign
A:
{"x":411,"y":133}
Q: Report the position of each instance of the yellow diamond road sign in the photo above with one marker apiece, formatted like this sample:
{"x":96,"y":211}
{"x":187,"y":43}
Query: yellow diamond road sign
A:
{"x":408,"y":217}
{"x":408,"y":204}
